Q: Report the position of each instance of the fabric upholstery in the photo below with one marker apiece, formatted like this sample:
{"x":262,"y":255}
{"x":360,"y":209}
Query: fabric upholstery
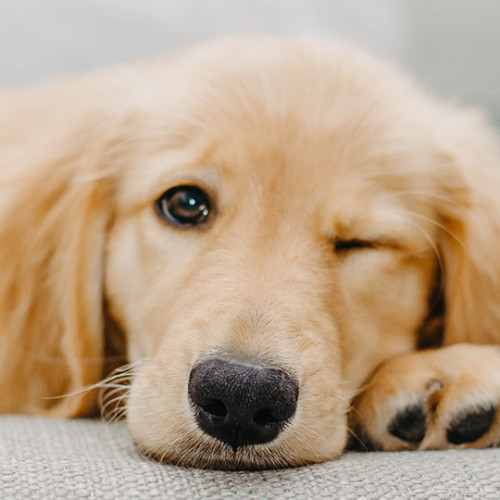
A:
{"x":74,"y":459}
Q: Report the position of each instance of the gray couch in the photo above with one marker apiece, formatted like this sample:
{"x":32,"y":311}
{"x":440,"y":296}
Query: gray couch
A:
{"x":88,"y":459}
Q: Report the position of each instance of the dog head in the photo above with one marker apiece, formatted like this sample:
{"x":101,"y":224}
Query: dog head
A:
{"x":265,"y":222}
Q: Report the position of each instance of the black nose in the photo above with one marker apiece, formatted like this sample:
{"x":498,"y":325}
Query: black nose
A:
{"x":241,"y":403}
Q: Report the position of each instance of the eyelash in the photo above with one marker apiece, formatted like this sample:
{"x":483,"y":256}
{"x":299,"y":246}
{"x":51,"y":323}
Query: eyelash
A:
{"x":342,"y":246}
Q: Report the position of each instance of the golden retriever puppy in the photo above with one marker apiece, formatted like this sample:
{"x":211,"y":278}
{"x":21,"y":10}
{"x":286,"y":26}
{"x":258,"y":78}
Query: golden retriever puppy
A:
{"x":270,"y":232}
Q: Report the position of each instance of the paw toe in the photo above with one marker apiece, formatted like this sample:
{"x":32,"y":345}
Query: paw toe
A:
{"x":410,"y":424}
{"x":470,"y":425}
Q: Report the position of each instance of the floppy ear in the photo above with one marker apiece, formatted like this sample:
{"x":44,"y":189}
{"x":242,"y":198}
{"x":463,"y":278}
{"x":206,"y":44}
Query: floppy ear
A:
{"x":52,"y":236}
{"x":471,"y":241}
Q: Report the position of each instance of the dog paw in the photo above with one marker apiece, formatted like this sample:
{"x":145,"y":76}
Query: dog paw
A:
{"x":433,"y":399}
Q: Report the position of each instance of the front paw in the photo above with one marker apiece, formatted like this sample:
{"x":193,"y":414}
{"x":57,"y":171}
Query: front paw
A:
{"x":433,"y":399}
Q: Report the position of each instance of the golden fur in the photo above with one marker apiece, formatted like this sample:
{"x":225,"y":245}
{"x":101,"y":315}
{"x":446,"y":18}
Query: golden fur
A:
{"x":302,"y":144}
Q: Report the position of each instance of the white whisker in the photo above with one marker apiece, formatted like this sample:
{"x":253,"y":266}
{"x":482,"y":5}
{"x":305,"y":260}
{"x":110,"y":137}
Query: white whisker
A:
{"x":426,"y":194}
{"x":435,"y":223}
{"x":119,"y":379}
{"x":433,"y":246}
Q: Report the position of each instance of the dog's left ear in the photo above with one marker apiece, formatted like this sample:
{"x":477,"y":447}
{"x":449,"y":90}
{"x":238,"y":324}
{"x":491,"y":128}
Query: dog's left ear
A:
{"x":470,"y":240}
{"x":52,"y":244}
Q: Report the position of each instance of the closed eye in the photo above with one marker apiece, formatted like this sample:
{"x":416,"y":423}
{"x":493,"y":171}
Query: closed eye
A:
{"x":342,"y":246}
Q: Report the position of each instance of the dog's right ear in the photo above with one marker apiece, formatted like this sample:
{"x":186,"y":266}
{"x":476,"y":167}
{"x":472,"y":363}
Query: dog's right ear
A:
{"x":470,"y":240}
{"x":57,"y":193}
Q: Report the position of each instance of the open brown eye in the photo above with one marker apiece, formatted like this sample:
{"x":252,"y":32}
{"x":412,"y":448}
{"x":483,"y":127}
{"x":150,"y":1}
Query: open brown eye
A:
{"x":184,"y":206}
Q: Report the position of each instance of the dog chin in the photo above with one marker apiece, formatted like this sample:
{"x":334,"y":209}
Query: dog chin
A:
{"x":218,"y":456}
{"x":224,"y":458}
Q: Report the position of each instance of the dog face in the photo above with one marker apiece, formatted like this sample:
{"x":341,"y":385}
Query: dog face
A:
{"x":302,"y":245}
{"x":264,"y":221}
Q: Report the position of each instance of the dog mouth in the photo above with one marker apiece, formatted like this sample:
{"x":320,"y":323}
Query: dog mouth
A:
{"x":242,"y":408}
{"x":235,"y":414}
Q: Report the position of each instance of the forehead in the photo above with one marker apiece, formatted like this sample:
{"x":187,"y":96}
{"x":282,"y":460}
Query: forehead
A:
{"x":299,"y":122}
{"x":285,"y":98}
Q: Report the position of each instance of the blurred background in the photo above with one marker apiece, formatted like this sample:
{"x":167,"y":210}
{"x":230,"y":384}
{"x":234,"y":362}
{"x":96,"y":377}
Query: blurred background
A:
{"x":452,"y":46}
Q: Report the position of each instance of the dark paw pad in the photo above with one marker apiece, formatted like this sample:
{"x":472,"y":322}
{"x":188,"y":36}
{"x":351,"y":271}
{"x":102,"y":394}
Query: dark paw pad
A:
{"x":470,"y":425}
{"x":409,"y":424}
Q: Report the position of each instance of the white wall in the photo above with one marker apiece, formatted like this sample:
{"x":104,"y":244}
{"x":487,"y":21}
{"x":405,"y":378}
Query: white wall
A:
{"x":455,"y":48}
{"x":452,"y":45}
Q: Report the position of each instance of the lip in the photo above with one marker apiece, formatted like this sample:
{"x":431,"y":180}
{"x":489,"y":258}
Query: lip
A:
{"x":247,"y":458}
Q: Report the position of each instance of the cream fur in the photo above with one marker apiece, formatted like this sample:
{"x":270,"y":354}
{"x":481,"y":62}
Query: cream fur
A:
{"x":300,"y":143}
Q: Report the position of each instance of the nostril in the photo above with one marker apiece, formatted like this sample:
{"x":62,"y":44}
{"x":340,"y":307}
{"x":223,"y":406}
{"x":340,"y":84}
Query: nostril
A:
{"x":215,"y":407}
{"x":264,"y":417}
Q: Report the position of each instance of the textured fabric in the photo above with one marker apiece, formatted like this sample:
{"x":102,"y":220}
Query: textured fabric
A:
{"x":75,"y":459}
